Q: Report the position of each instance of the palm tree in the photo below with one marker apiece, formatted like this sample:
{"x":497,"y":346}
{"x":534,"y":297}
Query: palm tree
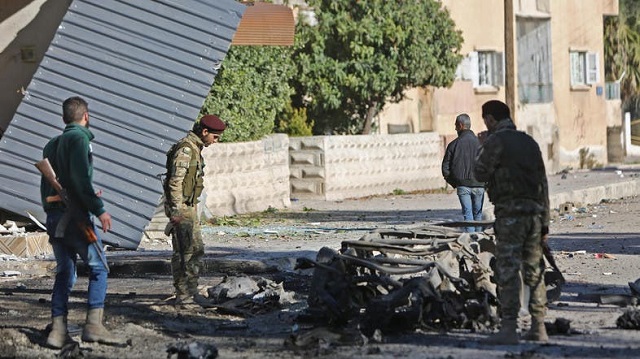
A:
{"x":622,"y":53}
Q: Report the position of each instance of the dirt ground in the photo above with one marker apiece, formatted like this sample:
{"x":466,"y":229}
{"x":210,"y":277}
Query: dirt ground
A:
{"x":596,"y":248}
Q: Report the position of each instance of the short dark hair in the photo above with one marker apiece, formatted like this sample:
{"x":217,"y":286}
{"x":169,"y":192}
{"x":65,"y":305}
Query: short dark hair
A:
{"x":73,"y":109}
{"x":498,"y":109}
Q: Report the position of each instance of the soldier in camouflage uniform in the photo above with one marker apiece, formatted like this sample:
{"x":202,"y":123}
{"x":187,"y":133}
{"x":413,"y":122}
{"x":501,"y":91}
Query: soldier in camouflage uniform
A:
{"x":511,"y":163}
{"x":182,"y":187}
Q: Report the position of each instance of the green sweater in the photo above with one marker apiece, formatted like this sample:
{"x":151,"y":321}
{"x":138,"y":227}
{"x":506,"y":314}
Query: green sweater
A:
{"x":71,"y":158}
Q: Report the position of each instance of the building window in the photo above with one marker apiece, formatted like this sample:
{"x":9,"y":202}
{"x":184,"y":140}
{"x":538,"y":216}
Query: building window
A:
{"x":535,"y":77}
{"x":484,"y":68}
{"x":585,"y":68}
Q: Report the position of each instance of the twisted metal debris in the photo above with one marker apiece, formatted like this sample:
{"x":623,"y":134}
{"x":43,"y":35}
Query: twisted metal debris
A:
{"x":433,"y":278}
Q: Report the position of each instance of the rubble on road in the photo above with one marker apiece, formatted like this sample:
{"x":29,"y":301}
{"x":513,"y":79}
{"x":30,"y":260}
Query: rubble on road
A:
{"x":246,"y":296}
{"x":434,"y":278}
{"x":193,"y":350}
{"x":629,"y":320}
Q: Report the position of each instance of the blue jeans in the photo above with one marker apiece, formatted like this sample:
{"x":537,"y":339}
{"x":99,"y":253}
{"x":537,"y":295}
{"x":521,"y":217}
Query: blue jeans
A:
{"x":471,"y":199}
{"x":66,"y":251}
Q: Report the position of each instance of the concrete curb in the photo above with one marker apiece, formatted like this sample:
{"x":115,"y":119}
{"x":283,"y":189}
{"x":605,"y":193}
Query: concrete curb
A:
{"x":585,"y":196}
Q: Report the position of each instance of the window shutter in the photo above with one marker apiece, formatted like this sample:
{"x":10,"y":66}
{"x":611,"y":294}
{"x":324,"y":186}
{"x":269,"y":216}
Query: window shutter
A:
{"x":468,"y":68}
{"x":575,"y":68}
{"x":498,"y":69}
{"x":593,"y":68}
{"x":474,"y":70}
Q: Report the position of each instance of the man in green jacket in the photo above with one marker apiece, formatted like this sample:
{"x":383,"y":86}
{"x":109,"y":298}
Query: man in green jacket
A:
{"x":182,"y":187}
{"x":71,"y":158}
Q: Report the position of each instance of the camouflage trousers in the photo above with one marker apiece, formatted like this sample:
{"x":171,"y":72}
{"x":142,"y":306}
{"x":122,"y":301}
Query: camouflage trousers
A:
{"x":519,"y":248}
{"x":188,"y":251}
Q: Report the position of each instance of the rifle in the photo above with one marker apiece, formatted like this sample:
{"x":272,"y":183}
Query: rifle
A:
{"x":44,"y":166}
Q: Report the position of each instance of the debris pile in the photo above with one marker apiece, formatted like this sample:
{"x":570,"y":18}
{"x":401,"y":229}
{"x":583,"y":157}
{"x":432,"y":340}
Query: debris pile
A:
{"x":629,"y":320}
{"x":245,"y":296}
{"x":433,"y":278}
{"x":193,"y":350}
{"x":10,"y":227}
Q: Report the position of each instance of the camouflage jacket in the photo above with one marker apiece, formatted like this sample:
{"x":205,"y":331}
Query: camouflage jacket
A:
{"x":511,"y":163}
{"x":184,"y":178}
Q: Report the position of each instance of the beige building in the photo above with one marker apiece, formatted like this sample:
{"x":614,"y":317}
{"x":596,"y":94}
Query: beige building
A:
{"x":556,"y":78}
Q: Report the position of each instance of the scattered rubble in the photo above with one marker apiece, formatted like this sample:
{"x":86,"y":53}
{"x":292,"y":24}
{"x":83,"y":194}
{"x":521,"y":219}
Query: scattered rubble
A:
{"x":245,"y":296}
{"x":629,"y":320}
{"x":433,"y":278}
{"x":193,"y":350}
{"x":10,"y":227}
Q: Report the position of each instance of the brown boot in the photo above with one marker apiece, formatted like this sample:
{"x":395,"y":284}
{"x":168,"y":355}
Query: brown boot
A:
{"x":94,"y":331}
{"x":58,"y":336}
{"x":507,"y":334}
{"x":538,"y":332}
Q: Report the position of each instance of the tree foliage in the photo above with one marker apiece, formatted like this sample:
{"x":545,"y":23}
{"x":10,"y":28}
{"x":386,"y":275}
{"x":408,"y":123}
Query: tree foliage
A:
{"x":250,"y":89}
{"x":622,"y":50}
{"x":363,"y":54}
{"x":293,"y":122}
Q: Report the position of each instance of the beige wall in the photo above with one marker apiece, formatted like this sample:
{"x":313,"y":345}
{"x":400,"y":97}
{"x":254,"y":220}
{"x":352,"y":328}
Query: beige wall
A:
{"x":24,"y":24}
{"x":440,"y":106}
{"x":577,"y":118}
{"x":580,"y":113}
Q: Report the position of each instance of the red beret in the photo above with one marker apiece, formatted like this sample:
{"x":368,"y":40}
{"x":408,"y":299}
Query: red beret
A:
{"x":213,"y":123}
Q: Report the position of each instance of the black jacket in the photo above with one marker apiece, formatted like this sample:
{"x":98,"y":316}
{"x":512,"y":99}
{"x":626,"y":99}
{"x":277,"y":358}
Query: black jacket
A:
{"x":511,"y":163}
{"x":459,"y":160}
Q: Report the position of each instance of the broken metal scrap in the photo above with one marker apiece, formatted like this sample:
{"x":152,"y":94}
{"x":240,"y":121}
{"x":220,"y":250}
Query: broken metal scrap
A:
{"x":432,"y":277}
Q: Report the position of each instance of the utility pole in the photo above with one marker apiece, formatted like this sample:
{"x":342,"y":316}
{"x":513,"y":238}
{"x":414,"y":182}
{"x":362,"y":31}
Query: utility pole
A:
{"x":510,"y":90}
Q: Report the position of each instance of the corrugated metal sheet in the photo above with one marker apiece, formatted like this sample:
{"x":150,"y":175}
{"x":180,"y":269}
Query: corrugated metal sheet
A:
{"x":266,"y":24}
{"x":145,"y":67}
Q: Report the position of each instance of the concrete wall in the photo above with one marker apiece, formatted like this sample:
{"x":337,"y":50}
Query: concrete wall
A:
{"x":239,"y":178}
{"x":247,"y":176}
{"x":26,"y":30}
{"x":339,"y":167}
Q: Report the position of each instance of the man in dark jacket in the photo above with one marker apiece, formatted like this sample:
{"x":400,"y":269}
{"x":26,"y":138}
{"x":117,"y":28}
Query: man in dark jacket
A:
{"x":511,"y":162}
{"x":457,"y":170}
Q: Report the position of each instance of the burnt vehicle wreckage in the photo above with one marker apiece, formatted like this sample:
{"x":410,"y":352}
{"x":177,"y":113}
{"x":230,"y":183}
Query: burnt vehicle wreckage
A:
{"x":431,"y":278}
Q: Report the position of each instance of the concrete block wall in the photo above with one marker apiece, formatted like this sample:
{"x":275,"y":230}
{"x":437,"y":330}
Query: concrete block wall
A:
{"x":339,"y":167}
{"x":239,"y":178}
{"x":247,"y":176}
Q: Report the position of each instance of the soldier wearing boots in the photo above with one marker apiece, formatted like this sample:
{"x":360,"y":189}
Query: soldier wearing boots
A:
{"x":511,"y":163}
{"x":70,"y":221}
{"x":182,"y":187}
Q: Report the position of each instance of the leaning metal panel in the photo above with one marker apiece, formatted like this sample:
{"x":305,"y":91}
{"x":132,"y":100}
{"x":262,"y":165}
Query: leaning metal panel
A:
{"x":145,"y":67}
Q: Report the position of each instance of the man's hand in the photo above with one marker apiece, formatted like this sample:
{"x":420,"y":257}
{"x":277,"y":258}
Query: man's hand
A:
{"x":105,"y":220}
{"x":544,"y":239}
{"x":176,"y":219}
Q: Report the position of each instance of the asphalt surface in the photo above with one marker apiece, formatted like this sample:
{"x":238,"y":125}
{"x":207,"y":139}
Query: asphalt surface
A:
{"x":310,"y":224}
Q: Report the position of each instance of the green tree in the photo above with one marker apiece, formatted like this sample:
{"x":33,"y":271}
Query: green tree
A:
{"x":250,"y":90}
{"x":363,"y":54}
{"x":622,"y":50}
{"x":293,"y":122}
